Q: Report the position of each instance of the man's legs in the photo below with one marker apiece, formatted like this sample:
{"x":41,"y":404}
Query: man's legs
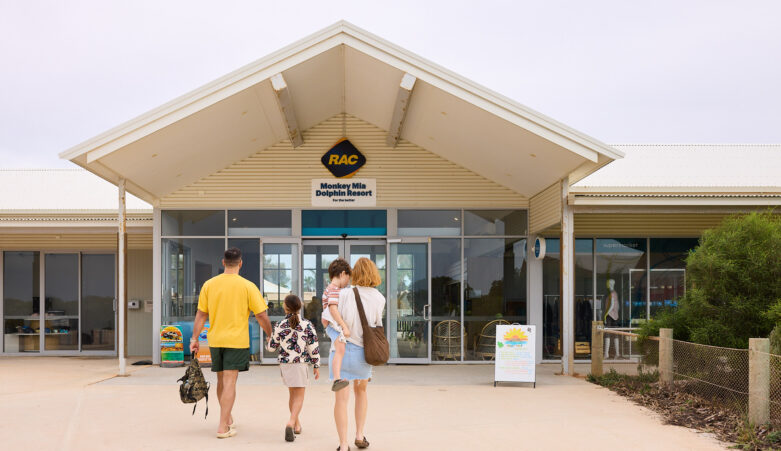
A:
{"x":226,"y":394}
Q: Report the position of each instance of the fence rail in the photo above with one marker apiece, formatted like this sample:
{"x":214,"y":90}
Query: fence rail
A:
{"x":747,"y":381}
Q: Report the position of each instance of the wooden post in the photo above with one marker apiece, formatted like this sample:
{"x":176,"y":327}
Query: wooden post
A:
{"x":666,"y":357}
{"x":597,"y":334}
{"x":759,"y":380}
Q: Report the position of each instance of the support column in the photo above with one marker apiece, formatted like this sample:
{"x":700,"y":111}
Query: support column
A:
{"x":157,"y":284}
{"x":534,"y":295}
{"x":122,"y":276}
{"x":567,"y":282}
{"x":759,"y":380}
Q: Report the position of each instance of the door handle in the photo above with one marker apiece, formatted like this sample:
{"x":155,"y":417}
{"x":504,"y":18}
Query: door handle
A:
{"x":426,"y":313}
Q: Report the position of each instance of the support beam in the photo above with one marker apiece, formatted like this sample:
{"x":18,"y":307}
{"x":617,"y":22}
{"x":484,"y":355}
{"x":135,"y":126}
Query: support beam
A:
{"x":122,"y":275}
{"x":286,"y":108}
{"x":400,"y":109}
{"x":567,"y":282}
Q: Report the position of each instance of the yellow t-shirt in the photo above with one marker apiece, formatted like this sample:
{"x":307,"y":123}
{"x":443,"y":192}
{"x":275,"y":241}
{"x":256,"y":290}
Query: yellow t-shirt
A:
{"x":228,"y":299}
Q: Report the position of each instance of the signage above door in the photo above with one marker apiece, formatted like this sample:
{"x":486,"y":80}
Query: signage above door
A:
{"x":343,"y":160}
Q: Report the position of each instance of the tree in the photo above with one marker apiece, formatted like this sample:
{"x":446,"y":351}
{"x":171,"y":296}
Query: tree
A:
{"x":733,"y":284}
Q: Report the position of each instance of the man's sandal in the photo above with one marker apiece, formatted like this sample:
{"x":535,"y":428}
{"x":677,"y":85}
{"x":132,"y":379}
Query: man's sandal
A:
{"x":230,"y":433}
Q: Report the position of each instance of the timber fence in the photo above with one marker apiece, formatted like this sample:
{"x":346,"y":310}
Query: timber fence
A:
{"x":747,"y":381}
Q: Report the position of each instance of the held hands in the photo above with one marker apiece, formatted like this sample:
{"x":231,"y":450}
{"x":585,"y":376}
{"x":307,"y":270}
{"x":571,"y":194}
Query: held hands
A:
{"x":195,"y":345}
{"x":317,"y":373}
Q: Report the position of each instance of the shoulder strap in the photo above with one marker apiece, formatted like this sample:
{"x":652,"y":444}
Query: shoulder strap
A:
{"x":361,"y":312}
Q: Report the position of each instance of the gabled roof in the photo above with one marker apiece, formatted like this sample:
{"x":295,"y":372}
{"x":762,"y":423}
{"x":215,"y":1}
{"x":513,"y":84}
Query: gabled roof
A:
{"x":61,"y":191}
{"x":339,"y":69}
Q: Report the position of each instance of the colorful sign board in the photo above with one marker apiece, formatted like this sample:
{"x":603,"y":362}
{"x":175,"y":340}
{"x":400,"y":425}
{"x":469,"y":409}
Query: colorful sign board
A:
{"x":344,"y":193}
{"x":515,"y":353}
{"x":343,"y":159}
{"x":171,"y":346}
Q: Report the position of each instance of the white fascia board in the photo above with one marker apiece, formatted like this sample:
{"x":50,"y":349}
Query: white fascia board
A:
{"x":674,"y":201}
{"x":726,"y":190}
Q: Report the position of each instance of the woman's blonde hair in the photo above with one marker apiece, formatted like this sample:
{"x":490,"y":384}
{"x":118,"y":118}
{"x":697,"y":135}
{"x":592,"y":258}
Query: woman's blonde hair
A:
{"x":365,"y":273}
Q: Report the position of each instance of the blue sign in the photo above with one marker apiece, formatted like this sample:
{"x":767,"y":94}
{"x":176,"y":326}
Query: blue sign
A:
{"x":343,"y":160}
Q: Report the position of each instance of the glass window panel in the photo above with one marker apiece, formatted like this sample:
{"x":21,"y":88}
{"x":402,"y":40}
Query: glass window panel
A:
{"x":280,"y":279}
{"x":97,"y":302}
{"x":187,"y":264}
{"x":408,"y":300}
{"x":260,"y":223}
{"x":584,"y":294}
{"x":495,"y":222}
{"x":21,"y":301}
{"x":495,"y":290}
{"x":338,"y":222}
{"x":668,"y":271}
{"x":250,"y":258}
{"x":621,"y":278}
{"x":62,"y":302}
{"x":193,"y":223}
{"x":429,"y":222}
{"x":551,"y":300}
{"x":314,"y":283}
{"x":446,"y":279}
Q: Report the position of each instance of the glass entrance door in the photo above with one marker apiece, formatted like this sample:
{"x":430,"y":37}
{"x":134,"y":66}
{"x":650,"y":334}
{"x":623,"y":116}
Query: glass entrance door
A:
{"x":409,"y":303}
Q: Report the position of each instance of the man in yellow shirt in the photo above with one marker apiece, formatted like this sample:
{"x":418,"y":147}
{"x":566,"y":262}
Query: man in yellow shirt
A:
{"x":226,"y":300}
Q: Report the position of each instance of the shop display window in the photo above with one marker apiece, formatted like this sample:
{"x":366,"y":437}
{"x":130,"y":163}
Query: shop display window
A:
{"x":621,"y":281}
{"x":21,"y":301}
{"x":551,"y":300}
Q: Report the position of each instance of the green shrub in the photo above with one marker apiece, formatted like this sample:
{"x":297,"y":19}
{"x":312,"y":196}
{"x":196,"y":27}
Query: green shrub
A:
{"x":733,"y":283}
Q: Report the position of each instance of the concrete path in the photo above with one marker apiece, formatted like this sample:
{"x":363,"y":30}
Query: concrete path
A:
{"x":75,"y":404}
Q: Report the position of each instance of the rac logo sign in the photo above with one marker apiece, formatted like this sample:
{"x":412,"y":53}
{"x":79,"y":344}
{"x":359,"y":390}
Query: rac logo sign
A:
{"x":343,"y":160}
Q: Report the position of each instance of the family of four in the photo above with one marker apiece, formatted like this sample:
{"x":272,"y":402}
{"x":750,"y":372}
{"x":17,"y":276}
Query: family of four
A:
{"x":227,"y":301}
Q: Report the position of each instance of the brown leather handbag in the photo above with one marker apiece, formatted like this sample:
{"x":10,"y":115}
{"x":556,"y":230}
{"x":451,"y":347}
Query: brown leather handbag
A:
{"x":376,"y":349}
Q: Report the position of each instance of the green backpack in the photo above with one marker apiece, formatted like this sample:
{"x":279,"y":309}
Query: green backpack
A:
{"x":194,"y":386}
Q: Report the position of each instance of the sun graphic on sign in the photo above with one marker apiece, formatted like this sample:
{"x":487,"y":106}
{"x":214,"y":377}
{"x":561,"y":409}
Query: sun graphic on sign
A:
{"x":515,"y":337}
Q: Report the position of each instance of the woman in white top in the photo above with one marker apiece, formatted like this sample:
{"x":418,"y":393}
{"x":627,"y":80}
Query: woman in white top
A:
{"x":365,"y":277}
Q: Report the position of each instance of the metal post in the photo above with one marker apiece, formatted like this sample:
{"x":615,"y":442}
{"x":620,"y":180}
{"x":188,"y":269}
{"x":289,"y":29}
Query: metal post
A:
{"x":122,"y":273}
{"x":759,"y":380}
{"x":567,"y":281}
{"x":666,"y":357}
{"x":597,"y":331}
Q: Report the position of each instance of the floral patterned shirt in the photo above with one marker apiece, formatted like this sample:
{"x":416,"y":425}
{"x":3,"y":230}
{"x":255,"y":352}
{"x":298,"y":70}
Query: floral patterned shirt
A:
{"x":297,"y":345}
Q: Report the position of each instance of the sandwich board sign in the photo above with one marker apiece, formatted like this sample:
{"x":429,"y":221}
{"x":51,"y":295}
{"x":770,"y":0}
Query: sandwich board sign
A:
{"x":515,"y":354}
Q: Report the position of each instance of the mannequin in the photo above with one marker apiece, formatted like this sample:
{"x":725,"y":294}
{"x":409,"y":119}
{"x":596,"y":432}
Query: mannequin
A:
{"x":611,"y":316}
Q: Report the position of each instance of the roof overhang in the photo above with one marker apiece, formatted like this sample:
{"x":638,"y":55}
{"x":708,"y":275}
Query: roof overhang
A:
{"x":341,"y":69}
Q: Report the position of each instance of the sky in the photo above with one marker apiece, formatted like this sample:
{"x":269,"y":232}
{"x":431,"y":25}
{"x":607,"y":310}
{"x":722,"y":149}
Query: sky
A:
{"x":683,"y":71}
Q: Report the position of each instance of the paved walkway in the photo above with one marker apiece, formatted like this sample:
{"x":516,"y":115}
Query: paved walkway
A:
{"x":74,"y":404}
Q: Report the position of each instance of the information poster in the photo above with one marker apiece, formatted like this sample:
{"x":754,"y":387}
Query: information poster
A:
{"x":171,"y":346}
{"x":515,"y":353}
{"x":204,"y":355}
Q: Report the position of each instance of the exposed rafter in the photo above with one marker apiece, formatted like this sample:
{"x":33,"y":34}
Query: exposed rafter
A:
{"x":286,"y":108}
{"x":400,"y":109}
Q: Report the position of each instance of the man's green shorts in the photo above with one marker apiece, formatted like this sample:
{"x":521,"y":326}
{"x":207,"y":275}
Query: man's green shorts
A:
{"x":229,"y":359}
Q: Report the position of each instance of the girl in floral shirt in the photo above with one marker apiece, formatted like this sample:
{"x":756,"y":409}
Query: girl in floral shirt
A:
{"x":296,"y":340}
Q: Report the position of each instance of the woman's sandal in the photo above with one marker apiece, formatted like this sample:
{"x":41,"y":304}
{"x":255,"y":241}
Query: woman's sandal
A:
{"x":338,"y":448}
{"x":362,"y":443}
{"x":297,"y":431}
{"x":289,"y":435}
